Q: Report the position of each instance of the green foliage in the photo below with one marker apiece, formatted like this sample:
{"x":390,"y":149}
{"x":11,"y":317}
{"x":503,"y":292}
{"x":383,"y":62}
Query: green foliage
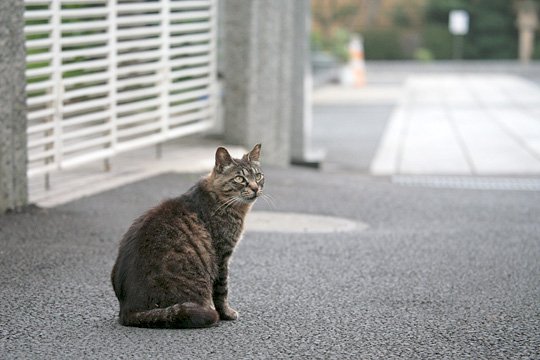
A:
{"x":382,"y":45}
{"x":337,"y":44}
{"x":423,"y":54}
{"x":492,"y":31}
{"x":438,"y":40}
{"x":400,"y":17}
{"x":340,"y":44}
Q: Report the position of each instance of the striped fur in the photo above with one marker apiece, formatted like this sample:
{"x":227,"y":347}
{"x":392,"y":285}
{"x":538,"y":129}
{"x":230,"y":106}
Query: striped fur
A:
{"x":173,"y":262}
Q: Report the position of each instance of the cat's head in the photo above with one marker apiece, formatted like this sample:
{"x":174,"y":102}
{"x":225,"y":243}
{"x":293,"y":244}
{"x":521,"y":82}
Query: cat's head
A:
{"x":238,"y":180}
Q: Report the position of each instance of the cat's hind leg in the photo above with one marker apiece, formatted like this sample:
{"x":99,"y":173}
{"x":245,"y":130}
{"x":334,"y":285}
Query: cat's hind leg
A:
{"x":185,"y":315}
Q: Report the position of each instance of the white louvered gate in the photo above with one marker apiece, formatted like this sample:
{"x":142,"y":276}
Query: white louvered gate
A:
{"x":107,"y":76}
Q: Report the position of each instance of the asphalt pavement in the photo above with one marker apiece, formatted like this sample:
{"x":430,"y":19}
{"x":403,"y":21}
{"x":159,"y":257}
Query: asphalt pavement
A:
{"x":439,"y":273}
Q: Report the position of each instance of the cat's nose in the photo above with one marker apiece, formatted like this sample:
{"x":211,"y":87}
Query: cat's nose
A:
{"x":253,"y":186}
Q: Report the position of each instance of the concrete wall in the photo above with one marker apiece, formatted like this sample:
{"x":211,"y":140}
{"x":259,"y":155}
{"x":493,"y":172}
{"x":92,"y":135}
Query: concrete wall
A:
{"x":13,"y":182}
{"x":263,"y":74}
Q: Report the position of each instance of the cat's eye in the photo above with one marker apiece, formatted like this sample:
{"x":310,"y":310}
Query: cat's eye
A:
{"x":258,"y":176}
{"x":239,"y":179}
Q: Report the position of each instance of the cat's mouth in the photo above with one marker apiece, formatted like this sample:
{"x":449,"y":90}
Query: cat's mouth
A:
{"x":251,"y":199}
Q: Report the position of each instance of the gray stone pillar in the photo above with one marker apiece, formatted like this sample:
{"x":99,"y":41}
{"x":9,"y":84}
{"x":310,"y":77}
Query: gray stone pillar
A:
{"x":302,"y":152}
{"x":13,"y":182}
{"x":257,"y":69}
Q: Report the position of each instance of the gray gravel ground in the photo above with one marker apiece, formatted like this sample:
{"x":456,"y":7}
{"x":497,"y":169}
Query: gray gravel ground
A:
{"x":439,"y":274}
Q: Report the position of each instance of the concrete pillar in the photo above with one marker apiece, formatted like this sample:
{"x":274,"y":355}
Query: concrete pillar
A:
{"x":258,"y":75}
{"x":13,"y":157}
{"x":302,"y":152}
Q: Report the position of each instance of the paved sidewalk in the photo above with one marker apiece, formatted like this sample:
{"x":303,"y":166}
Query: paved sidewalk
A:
{"x":462,"y":124}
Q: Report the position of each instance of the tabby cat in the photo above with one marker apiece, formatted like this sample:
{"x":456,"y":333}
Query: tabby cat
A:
{"x":172,"y":264}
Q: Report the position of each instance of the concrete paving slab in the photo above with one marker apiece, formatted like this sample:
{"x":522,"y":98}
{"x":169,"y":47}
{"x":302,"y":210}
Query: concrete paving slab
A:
{"x":463,"y":124}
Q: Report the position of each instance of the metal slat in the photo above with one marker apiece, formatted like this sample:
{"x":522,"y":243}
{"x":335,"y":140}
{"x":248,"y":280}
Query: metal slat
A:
{"x":38,"y":57}
{"x":183,"y":85}
{"x":84,"y":39}
{"x":138,"y":7}
{"x":32,"y":143}
{"x":138,"y":68}
{"x":66,"y":149}
{"x":37,"y":14}
{"x":39,"y":128}
{"x":38,"y":43}
{"x":138,"y":43}
{"x":181,"y":119}
{"x":37,"y":29}
{"x":33,"y":115}
{"x":83,"y":79}
{"x":83,"y":119}
{"x":179,"y":28}
{"x":36,"y":100}
{"x":85,"y":65}
{"x":140,"y":19}
{"x":83,"y":12}
{"x":136,"y":94}
{"x":192,"y":15}
{"x":133,"y":119}
{"x":90,"y":90}
{"x":86,"y":131}
{"x":182,"y":108}
{"x":139,"y":32}
{"x":39,"y":86}
{"x":192,"y":60}
{"x":196,"y":71}
{"x":139,"y":56}
{"x":95,"y":51}
{"x":122,"y":133}
{"x":39,"y":72}
{"x":182,"y":39}
{"x":87,"y":25}
{"x":182,"y":5}
{"x":40,"y":155}
{"x":141,"y":80}
{"x":140,"y":105}
{"x":185,"y":50}
{"x":85,"y":105}
{"x":189,"y":95}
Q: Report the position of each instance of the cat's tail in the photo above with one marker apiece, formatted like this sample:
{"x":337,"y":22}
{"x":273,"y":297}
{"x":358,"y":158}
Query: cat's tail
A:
{"x":185,"y":315}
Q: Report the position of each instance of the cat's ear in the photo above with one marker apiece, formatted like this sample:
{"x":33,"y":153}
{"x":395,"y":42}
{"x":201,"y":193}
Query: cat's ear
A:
{"x":254,"y":154}
{"x":223,"y":159}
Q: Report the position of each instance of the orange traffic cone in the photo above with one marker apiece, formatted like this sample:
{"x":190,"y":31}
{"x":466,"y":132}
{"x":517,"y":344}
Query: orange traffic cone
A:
{"x":357,"y":64}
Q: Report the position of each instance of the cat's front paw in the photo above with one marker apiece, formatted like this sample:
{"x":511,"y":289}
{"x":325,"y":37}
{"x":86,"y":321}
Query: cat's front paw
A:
{"x":228,"y":314}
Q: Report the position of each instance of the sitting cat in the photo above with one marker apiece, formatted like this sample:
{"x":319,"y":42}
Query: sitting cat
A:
{"x":172,"y":265}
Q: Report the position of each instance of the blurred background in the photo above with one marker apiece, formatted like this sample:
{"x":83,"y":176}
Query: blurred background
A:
{"x":109,"y":81}
{"x":401,"y":149}
{"x":419,"y":29}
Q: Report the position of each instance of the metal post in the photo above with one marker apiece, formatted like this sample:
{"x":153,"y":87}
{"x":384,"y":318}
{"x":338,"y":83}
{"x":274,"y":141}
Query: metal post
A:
{"x":458,"y":47}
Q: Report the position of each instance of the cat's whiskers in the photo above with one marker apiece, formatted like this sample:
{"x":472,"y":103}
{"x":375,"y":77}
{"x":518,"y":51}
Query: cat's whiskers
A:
{"x":225,"y":205}
{"x":269,"y":200}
